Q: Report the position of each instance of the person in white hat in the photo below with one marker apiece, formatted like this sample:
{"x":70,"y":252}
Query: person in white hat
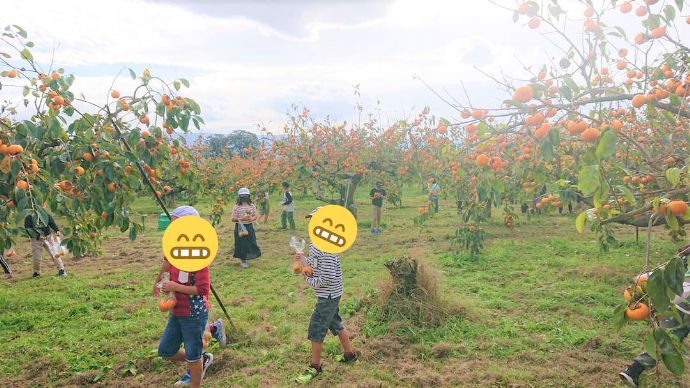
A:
{"x":243,"y":215}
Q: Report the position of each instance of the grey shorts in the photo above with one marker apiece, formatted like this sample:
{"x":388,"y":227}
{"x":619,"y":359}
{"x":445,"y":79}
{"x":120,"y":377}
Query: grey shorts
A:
{"x":326,"y":316}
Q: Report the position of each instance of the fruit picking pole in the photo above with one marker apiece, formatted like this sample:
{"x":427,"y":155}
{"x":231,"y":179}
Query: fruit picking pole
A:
{"x":138,"y":163}
{"x":161,"y":204}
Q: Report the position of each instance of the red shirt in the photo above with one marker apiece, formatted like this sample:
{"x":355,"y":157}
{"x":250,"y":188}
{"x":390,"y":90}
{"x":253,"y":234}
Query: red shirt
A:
{"x":191,"y":305}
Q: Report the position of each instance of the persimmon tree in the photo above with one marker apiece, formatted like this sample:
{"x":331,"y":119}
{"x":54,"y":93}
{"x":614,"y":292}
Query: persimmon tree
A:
{"x":86,"y":162}
{"x":333,"y":158}
{"x":608,"y":120}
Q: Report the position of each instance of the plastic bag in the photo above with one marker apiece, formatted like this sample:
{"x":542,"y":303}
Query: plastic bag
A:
{"x":167,"y":299}
{"x":54,"y":245}
{"x":300,"y":266}
{"x":298,"y":247}
{"x":243,"y":232}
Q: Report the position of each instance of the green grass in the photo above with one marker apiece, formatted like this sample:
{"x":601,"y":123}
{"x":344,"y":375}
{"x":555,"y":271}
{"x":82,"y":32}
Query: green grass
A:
{"x":539,"y":301}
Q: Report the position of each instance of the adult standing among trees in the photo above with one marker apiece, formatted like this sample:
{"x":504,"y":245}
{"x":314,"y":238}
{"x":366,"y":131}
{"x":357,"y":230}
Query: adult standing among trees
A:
{"x":288,"y":205}
{"x":377,"y":195}
{"x":243,"y":215}
{"x":38,"y":234}
{"x":434,"y":190}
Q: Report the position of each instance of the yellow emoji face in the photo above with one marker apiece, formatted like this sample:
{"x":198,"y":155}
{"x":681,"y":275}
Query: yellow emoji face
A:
{"x":190,"y":243}
{"x":333,"y":229}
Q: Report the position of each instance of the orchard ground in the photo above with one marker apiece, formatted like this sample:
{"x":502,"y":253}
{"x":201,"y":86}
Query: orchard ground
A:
{"x":538,"y":304}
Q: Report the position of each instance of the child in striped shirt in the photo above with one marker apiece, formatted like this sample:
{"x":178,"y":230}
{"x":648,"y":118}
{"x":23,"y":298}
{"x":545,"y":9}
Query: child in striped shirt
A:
{"x":327,"y":282}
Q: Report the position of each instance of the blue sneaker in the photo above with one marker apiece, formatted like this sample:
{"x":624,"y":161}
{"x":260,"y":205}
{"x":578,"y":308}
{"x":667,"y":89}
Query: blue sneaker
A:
{"x":244,"y":264}
{"x":220,"y":332}
{"x":185,"y":381}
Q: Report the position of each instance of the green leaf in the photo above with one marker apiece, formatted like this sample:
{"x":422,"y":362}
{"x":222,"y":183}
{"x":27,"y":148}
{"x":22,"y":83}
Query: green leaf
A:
{"x":673,"y":175}
{"x":516,"y":16}
{"x":184,"y":82}
{"x":571,"y":84}
{"x":607,"y":144}
{"x":133,"y":233}
{"x":670,"y":13}
{"x":621,"y":31}
{"x":619,"y":319}
{"x":176,"y":85}
{"x":674,"y":274}
{"x":653,"y":21}
{"x":25,"y":91}
{"x":20,"y":31}
{"x":679,"y":4}
{"x":672,"y":222}
{"x":566,"y":92}
{"x":650,"y":346}
{"x":663,"y":341}
{"x":184,"y":123}
{"x":674,"y":362}
{"x":26,"y":54}
{"x":564,"y":62}
{"x":132,"y":74}
{"x":42,"y":216}
{"x":546,"y":149}
{"x":588,"y":179}
{"x":580,"y":221}
{"x":124,"y":225}
{"x":656,"y":289}
{"x":628,"y":194}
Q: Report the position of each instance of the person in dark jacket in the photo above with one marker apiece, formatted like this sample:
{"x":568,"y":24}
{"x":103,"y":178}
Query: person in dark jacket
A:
{"x":377,"y":195}
{"x":288,"y":214}
{"x":38,"y":234}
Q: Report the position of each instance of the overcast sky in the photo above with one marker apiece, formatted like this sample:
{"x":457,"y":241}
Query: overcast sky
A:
{"x":248,"y":61}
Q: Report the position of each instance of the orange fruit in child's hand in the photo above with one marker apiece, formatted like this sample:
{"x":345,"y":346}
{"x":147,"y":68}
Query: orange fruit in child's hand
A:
{"x":307,"y":270}
{"x":207,"y":335}
{"x":296,"y":268}
{"x":166,"y":304}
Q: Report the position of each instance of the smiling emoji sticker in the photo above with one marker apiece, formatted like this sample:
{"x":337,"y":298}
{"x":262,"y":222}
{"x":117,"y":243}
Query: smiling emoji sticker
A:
{"x":333,"y":229}
{"x":190,"y":243}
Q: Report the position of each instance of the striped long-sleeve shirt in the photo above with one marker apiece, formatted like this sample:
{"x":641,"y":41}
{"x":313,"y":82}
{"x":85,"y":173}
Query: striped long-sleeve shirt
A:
{"x":327,"y":276}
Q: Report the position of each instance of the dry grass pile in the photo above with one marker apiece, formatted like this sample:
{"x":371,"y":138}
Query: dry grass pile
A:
{"x":413,"y":293}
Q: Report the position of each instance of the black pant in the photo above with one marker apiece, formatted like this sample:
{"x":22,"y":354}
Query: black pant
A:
{"x":4,"y":265}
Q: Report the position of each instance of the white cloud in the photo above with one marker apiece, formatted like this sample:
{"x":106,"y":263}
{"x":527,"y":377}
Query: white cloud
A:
{"x":245,"y":71}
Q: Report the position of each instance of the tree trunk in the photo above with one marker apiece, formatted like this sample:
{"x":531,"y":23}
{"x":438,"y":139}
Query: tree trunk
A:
{"x":347,"y":190}
{"x":347,"y":193}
